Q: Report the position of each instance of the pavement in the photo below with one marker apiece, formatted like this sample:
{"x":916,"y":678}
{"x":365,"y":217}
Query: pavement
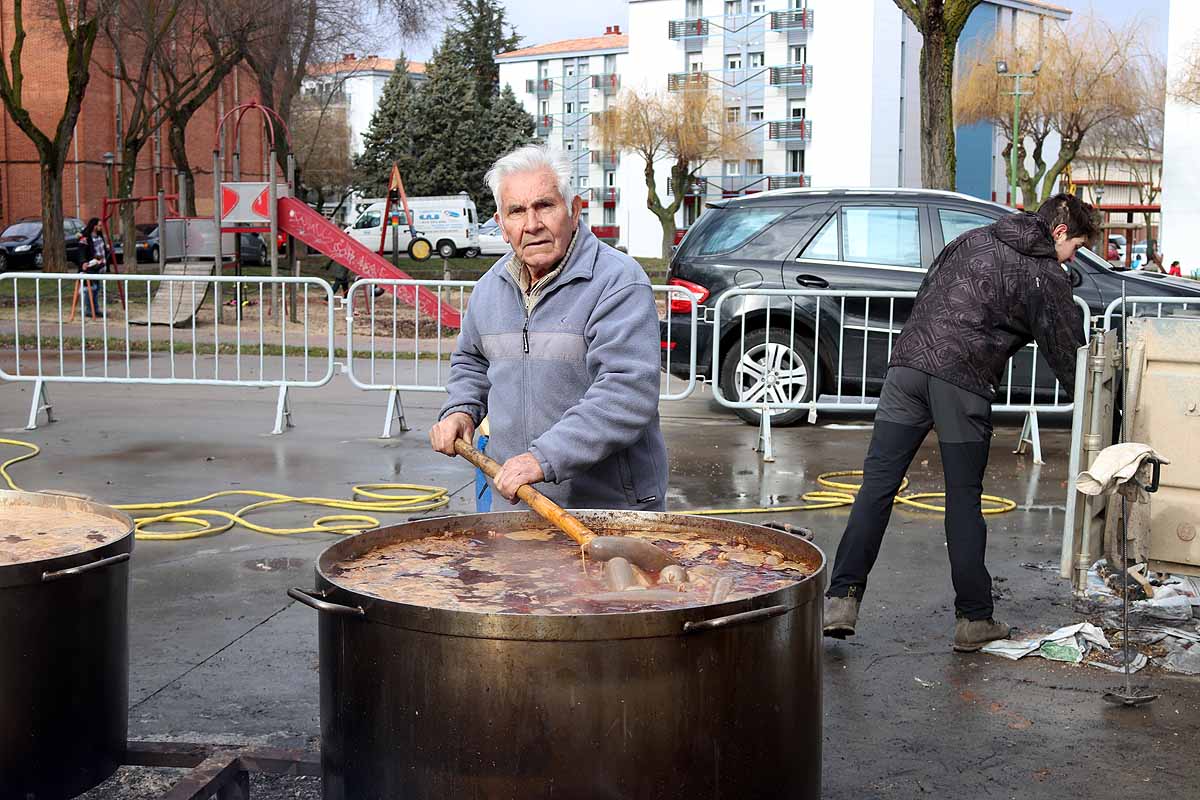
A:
{"x":220,"y":654}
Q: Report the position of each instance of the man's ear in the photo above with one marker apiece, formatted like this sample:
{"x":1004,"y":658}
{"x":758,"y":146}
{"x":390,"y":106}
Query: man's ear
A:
{"x":576,"y":209}
{"x":503,"y":233}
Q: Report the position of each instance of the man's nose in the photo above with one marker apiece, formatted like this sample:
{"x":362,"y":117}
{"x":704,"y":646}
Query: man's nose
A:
{"x":533,"y":220}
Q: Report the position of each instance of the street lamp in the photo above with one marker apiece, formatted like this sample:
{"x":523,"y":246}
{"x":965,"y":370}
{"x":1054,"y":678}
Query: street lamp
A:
{"x":108,"y":173}
{"x":1016,"y":94}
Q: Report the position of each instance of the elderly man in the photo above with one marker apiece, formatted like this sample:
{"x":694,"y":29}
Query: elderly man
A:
{"x":560,"y":351}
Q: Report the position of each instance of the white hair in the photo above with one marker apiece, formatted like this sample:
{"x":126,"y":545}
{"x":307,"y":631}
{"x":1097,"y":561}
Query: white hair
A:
{"x":531,"y":158}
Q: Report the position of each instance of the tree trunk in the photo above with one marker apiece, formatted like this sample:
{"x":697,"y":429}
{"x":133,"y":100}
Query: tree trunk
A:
{"x":126,"y":184}
{"x":54,"y":250}
{"x":938,"y":161}
{"x":177,"y":143}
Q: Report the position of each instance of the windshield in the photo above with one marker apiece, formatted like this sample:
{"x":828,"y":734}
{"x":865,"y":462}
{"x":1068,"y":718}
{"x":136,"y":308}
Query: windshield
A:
{"x":23,"y":229}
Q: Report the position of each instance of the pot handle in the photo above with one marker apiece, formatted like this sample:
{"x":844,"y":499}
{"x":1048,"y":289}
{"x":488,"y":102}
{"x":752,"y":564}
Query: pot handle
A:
{"x":735,"y":619}
{"x":301,"y":596}
{"x":120,"y":558}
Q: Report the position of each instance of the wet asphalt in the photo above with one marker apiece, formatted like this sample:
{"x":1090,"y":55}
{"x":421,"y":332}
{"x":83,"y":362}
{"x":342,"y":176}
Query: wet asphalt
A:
{"x":220,"y":654}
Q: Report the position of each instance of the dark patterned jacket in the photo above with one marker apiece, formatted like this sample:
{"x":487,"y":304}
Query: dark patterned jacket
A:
{"x":989,"y":293}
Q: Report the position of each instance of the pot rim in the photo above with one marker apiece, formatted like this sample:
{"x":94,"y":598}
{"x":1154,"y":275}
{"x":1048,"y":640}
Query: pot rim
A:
{"x":25,"y":573}
{"x":562,"y":627}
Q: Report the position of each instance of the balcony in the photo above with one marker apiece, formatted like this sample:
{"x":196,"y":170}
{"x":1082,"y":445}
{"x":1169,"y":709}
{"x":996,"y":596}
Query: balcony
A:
{"x":792,"y":76}
{"x":793,"y":181}
{"x":542,"y":87}
{"x":697,"y":188}
{"x":606,"y":195}
{"x":609,"y":233}
{"x":792,"y":130}
{"x":684,"y":81}
{"x":607,"y":160}
{"x":544,"y":125}
{"x":792,"y":20}
{"x":687,"y":28}
{"x":607,"y":82}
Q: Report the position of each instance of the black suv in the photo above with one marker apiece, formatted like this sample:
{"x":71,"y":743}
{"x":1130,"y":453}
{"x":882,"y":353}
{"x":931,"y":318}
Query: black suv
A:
{"x":21,"y":243}
{"x":847,"y":240}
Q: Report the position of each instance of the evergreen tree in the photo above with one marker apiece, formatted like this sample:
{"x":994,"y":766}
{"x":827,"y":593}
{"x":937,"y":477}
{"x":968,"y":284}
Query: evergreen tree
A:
{"x":479,"y":33}
{"x":390,"y":136}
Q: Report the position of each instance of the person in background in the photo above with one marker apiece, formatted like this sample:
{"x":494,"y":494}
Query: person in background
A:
{"x":95,"y":262}
{"x":988,"y":294}
{"x":1175,"y":270}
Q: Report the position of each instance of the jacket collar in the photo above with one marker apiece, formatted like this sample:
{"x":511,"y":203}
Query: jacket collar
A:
{"x":581,"y":261}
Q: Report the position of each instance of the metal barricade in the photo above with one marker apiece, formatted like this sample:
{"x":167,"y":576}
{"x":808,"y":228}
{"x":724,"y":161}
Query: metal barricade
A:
{"x":393,"y":347}
{"x":828,"y":350}
{"x":1156,"y":307}
{"x":158,"y":329}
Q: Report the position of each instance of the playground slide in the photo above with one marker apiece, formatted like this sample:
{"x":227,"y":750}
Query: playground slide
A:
{"x":297,"y":219}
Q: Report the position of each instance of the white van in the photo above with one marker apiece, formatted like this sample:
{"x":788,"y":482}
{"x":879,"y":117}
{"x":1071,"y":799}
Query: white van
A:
{"x":448,"y":222}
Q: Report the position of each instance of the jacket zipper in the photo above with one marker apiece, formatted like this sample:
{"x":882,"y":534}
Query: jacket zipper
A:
{"x":525,"y":333}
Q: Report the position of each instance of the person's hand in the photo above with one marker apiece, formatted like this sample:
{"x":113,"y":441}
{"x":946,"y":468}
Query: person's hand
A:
{"x":455,"y":426}
{"x":516,"y":472}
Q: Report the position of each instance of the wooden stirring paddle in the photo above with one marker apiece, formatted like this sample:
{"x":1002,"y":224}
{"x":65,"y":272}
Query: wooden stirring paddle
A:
{"x":639,"y":552}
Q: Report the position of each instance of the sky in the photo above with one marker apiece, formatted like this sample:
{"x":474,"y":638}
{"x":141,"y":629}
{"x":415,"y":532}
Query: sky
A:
{"x":591,"y":18}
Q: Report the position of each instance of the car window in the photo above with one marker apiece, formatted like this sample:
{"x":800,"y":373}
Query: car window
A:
{"x":781,"y":237}
{"x":23,"y":229}
{"x":881,"y":235}
{"x":732,"y":228}
{"x":825,"y":245}
{"x":956,"y":223}
{"x":369,"y":220}
{"x":70,"y":228}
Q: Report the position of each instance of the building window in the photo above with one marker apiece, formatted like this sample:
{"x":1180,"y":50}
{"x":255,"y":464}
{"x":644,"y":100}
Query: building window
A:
{"x":583,"y":107}
{"x":584,"y":67}
{"x":543,"y":69}
{"x":544,"y":108}
{"x":733,"y":114}
{"x":754,"y":166}
{"x":798,"y":53}
{"x":569,"y":144}
{"x":610,"y":215}
{"x":733,"y":8}
{"x":695,"y":8}
{"x":757,"y":60}
{"x":732,"y":168}
{"x":733,"y":62}
{"x":695,"y":62}
{"x":610,"y":178}
{"x":796,"y":161}
{"x":797,"y":5}
{"x":755,"y":114}
{"x":569,"y":70}
{"x":797,"y":110}
{"x":758,"y":7}
{"x":610,"y":64}
{"x":570,"y":108}
{"x":583,"y":181}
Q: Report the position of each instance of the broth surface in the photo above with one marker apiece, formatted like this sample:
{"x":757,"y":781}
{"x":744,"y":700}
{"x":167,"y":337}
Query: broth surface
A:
{"x":541,"y":571}
{"x":33,"y":533}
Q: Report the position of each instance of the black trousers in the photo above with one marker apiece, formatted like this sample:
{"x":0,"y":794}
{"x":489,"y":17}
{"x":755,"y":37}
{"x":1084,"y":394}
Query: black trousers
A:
{"x":911,"y":403}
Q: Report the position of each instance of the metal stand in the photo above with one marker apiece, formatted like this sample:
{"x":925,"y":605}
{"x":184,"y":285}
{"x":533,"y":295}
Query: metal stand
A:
{"x":219,"y":772}
{"x":40,"y":402}
{"x":395,"y":411}
{"x":1127,"y":695}
{"x":283,"y":413}
{"x":1031,"y":435}
{"x":764,"y":445}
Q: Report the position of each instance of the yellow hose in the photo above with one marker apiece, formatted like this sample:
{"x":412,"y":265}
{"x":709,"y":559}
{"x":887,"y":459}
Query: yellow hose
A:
{"x":384,"y":498}
{"x":380,"y":498}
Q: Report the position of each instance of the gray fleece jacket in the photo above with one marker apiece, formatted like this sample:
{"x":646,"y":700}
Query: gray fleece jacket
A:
{"x":575,"y":381}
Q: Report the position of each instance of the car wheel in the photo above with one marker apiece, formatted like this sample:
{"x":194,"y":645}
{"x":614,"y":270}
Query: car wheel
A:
{"x":153,"y":255}
{"x":37,"y":259}
{"x":772,"y":369}
{"x":471,"y":252}
{"x":446,"y":249}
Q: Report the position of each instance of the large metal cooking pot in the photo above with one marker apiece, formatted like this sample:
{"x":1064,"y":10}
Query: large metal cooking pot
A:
{"x":715,"y":701}
{"x":64,"y":662}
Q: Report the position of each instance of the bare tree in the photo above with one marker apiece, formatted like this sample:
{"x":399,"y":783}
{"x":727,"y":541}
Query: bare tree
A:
{"x":687,"y":128}
{"x":321,"y":138}
{"x":80,"y":23}
{"x":1142,"y":134}
{"x":1086,"y":81}
{"x":940,"y":23}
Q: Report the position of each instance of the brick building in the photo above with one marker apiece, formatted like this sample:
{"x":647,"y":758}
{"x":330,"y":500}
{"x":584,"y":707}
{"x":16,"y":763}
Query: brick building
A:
{"x":84,"y":180}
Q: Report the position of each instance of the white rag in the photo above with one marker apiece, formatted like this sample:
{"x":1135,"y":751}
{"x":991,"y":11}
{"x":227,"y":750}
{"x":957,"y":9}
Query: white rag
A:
{"x":1115,"y":468}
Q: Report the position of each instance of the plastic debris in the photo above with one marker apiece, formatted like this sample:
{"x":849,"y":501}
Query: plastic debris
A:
{"x":1138,"y":661}
{"x":926,"y":684}
{"x":1070,"y":644}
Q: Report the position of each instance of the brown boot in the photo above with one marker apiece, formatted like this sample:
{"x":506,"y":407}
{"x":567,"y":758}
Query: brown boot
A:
{"x":971,"y":635}
{"x":841,"y":614}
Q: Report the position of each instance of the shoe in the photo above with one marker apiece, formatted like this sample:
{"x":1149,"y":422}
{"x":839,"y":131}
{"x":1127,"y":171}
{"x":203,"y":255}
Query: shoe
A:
{"x":841,"y":614}
{"x":971,"y":635}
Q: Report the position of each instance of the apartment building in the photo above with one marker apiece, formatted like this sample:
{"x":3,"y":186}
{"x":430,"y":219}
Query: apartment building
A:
{"x":356,"y":84}
{"x":562,"y":84}
{"x":824,"y":93}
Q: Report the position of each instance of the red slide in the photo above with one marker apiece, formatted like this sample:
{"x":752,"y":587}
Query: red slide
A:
{"x":299,"y":220}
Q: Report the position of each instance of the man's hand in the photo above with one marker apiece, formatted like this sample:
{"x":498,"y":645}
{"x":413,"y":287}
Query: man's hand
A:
{"x":456,"y":426}
{"x":516,"y":472}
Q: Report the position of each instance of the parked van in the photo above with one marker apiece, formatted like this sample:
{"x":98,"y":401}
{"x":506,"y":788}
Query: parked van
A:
{"x":449,"y":223}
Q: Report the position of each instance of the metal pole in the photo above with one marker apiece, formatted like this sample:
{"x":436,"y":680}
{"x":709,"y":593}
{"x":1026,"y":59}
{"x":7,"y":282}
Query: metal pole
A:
{"x":293,"y":260}
{"x":160,"y":213}
{"x":218,"y":170}
{"x":1012,"y":156}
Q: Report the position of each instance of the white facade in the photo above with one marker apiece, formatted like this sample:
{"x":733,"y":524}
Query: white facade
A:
{"x":562,"y":85}
{"x":827,"y":91}
{"x":357,"y":83}
{"x":1181,"y":146}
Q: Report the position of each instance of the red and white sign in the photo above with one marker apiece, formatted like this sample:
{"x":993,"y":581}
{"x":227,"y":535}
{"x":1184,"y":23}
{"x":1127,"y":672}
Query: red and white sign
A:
{"x":247,"y":202}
